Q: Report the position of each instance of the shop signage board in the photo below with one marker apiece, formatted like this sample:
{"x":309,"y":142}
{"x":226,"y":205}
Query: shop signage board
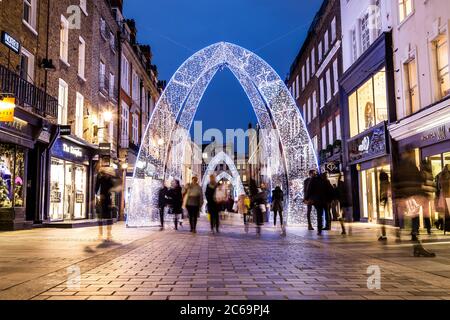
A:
{"x":10,"y":42}
{"x":105,"y":149}
{"x":65,"y":130}
{"x":66,"y":150}
{"x":369,"y":145}
{"x":332,"y":167}
{"x":105,"y":161}
{"x":7,"y":106}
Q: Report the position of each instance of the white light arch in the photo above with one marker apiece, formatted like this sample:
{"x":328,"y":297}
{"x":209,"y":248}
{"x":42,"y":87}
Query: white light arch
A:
{"x":235,"y":178}
{"x":273,"y":104}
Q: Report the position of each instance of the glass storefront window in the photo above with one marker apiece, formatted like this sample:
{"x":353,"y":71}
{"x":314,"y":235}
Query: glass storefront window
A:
{"x":68,"y":190}
{"x":376,"y":196}
{"x":12,"y":176}
{"x":368,"y":104}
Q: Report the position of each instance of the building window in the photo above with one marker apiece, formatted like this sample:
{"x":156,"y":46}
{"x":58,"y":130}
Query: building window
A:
{"x":326,"y":41}
{"x":354,"y":45}
{"x":125,"y":75}
{"x":411,"y":87}
{"x":313,"y":62}
{"x":338,"y":127}
{"x":309,"y":110}
{"x":81,"y":58}
{"x":405,"y":9}
{"x":308,"y":74}
{"x":297,"y":87}
{"x":324,"y":137}
{"x":303,"y":77}
{"x":103,"y":29}
{"x":328,"y":76}
{"x":322,"y":93}
{"x":125,"y":136}
{"x":336,"y":76}
{"x":331,"y":131}
{"x":365,"y":32}
{"x":112,"y":41}
{"x":304,"y":112}
{"x":26,"y":65}
{"x":315,"y":144}
{"x":135,"y":129}
{"x":442,"y":65}
{"x":333,"y":30}
{"x":314,"y":105}
{"x":112,"y":85}
{"x":320,"y":51}
{"x":64,"y":40}
{"x":79,"y":115}
{"x":63,"y":98}
{"x":29,"y":13}
{"x":135,"y":84}
{"x":102,"y":75}
{"x":368,"y":104}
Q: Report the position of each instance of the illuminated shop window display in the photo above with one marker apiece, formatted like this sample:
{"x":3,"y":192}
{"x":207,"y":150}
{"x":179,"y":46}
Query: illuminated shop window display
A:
{"x":12,"y":173}
{"x":368,"y":104}
{"x":68,"y":191}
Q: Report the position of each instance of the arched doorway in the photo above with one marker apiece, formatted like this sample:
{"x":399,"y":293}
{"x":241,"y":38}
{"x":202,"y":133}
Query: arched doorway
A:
{"x":276,"y":110}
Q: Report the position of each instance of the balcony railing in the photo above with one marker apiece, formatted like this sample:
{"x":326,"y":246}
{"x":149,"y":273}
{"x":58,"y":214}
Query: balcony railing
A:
{"x":27,"y":94}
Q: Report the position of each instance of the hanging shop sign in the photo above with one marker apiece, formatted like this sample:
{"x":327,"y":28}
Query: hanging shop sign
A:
{"x":105,"y":149}
{"x":105,"y":161}
{"x":7,"y":106}
{"x":332,"y":167}
{"x":66,"y":150}
{"x":369,"y":145}
{"x":10,"y":42}
{"x":65,"y":130}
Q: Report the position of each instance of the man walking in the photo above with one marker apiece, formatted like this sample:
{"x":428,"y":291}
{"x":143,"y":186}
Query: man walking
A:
{"x":162,"y":202}
{"x":307,"y":201}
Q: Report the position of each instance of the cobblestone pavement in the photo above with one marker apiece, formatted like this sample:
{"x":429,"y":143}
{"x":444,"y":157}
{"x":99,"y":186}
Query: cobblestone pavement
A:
{"x":148,"y":264}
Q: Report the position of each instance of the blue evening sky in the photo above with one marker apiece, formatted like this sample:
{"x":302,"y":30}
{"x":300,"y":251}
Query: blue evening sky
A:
{"x":175,"y":29}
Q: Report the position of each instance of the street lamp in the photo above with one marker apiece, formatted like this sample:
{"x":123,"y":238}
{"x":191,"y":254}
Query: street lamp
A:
{"x":107,"y":116}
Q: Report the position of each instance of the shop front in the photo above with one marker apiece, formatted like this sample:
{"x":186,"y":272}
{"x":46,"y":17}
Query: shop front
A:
{"x":368,"y":100}
{"x":427,"y":135}
{"x":71,"y":185}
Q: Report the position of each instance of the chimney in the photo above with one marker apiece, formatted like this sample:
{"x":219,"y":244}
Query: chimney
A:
{"x":132,"y":25}
{"x":116,"y":4}
{"x":147,"y":52}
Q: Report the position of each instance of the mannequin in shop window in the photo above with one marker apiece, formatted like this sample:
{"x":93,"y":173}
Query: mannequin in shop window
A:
{"x":443,"y":198}
{"x":369,"y":115}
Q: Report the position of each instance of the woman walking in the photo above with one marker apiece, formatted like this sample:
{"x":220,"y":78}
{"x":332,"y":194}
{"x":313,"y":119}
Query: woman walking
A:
{"x":243,"y":209}
{"x":213,"y":207}
{"x":277,"y":207}
{"x":175,"y":201}
{"x":194,"y":201}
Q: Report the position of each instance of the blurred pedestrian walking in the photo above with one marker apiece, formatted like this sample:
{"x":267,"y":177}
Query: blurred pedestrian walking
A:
{"x":307,"y":201}
{"x":343,"y":203}
{"x":193,"y":196}
{"x":213,"y":207}
{"x":319,"y":192}
{"x":329,"y":195}
{"x":175,"y":202}
{"x":162,"y":202}
{"x":243,"y":209}
{"x":277,"y":207}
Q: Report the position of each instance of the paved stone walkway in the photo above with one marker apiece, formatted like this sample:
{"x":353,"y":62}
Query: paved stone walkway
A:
{"x":231,"y":265}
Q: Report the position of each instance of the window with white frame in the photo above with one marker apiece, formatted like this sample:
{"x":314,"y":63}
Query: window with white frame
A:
{"x":112,"y":41}
{"x":328,"y":77}
{"x":365,"y":32}
{"x":326,"y":41}
{"x":26,"y":65}
{"x":304,"y":112}
{"x":313,"y":62}
{"x":309,"y":110}
{"x":125,"y":83}
{"x":112,"y":85}
{"x":81,"y":58}
{"x":303,"y":77}
{"x":412,"y":100}
{"x":338,"y":127}
{"x":64,"y":40}
{"x":354,"y":43}
{"x":322,"y":93}
{"x":79,"y":115}
{"x":315,"y":143}
{"x":297,"y":87}
{"x":333,"y":30}
{"x":336,"y":76}
{"x":308,"y":74}
{"x":124,"y":125}
{"x":330,"y":132}
{"x":102,"y":76}
{"x":103,"y":28}
{"x":135,"y":129}
{"x":314,"y":105}
{"x":63,"y":99}
{"x":29,"y":13}
{"x":405,"y":8}
{"x":441,"y":46}
{"x":320,"y":51}
{"x":324,"y":137}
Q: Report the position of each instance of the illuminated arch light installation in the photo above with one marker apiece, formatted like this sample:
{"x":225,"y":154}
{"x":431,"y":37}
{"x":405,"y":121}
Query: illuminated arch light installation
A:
{"x":274,"y":106}
{"x":235,"y":178}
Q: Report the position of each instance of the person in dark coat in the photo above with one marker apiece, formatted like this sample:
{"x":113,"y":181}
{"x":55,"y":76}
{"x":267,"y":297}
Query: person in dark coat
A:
{"x":162,"y":203}
{"x":277,"y":205}
{"x":329,"y":194}
{"x":213,"y":207}
{"x":319,"y":194}
{"x":103,"y":187}
{"x":385,"y":190}
{"x":260,"y":206}
{"x":175,"y":201}
{"x":341,"y":196}
{"x":429,"y":190}
{"x":307,"y":201}
{"x":408,"y":192}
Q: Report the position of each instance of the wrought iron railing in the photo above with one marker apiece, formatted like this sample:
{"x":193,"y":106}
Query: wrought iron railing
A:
{"x":27,"y":94}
